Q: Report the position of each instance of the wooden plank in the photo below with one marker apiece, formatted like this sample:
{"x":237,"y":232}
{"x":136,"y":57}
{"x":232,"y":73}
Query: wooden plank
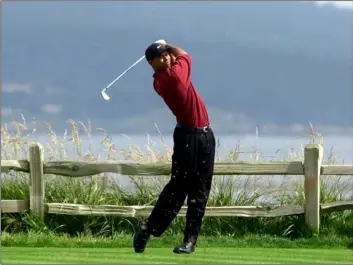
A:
{"x":339,"y":170}
{"x":138,"y":211}
{"x":237,"y":211}
{"x":336,"y":207}
{"x":36,"y":180}
{"x":17,"y":165}
{"x":14,"y":206}
{"x":93,"y":210}
{"x":263,"y":168}
{"x":17,"y":206}
{"x":313,"y":155}
{"x":81,"y":169}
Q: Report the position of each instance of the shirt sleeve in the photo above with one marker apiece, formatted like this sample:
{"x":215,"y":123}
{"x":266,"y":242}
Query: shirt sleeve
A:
{"x":181,"y":70}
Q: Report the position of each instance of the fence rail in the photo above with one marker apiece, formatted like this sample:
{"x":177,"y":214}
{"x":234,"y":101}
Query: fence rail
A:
{"x":312,"y":169}
{"x":83,"y":169}
{"x":18,"y":206}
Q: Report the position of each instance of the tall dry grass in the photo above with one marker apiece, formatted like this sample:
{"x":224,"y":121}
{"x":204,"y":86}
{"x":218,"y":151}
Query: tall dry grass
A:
{"x":76,"y":144}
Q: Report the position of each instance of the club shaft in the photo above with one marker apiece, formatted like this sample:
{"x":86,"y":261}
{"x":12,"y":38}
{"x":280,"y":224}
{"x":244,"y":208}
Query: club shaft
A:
{"x":116,"y":79}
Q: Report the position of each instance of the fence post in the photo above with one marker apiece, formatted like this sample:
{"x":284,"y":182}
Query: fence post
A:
{"x":313,"y":156}
{"x":36,"y":158}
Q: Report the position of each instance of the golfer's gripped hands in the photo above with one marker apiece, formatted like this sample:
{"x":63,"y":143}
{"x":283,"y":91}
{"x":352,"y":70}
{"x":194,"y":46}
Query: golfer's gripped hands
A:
{"x":172,"y":50}
{"x":172,"y":58}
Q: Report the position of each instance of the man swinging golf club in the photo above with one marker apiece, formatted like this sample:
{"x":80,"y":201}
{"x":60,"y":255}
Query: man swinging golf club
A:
{"x":193,"y":153}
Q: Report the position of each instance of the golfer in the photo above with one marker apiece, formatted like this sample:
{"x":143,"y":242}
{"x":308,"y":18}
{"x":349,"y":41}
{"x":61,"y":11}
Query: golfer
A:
{"x":193,"y":154}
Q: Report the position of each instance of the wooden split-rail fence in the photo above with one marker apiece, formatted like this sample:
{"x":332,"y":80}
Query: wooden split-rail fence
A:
{"x":312,"y":169}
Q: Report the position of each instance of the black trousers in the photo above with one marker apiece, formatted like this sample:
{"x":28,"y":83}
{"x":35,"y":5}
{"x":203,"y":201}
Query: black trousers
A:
{"x":192,"y":175}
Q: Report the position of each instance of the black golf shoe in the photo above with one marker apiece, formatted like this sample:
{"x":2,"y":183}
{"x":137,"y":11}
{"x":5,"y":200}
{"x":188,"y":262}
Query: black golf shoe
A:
{"x":141,"y":237}
{"x":186,"y":248}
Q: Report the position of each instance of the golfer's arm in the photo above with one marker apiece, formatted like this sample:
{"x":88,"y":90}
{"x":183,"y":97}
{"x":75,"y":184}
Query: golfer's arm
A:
{"x":176,"y":51}
{"x":182,"y":67}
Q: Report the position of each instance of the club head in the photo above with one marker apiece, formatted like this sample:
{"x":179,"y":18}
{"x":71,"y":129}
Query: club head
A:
{"x":104,"y":94}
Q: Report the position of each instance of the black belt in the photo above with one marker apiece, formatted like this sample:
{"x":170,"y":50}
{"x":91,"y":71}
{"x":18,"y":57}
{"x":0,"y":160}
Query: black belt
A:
{"x":204,"y":129}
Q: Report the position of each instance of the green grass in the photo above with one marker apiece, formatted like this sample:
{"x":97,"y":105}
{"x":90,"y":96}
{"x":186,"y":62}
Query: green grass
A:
{"x":48,"y":247}
{"x":50,"y":239}
{"x":100,"y":189}
{"x":202,"y":255}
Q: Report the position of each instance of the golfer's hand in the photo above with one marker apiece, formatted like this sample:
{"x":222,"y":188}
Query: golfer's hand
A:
{"x":173,"y":58}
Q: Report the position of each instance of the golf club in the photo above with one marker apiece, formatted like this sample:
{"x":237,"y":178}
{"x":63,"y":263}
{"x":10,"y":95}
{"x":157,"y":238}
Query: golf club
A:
{"x":104,"y":91}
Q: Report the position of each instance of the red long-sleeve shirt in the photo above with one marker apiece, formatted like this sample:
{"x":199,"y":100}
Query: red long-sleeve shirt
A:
{"x":178,"y":92}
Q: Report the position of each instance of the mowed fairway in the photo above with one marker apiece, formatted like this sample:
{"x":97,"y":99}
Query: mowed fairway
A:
{"x":165,"y":255}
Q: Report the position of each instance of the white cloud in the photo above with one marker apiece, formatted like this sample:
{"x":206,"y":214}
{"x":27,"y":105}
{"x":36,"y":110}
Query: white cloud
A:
{"x":17,"y":88}
{"x":338,"y":4}
{"x":6,"y":112}
{"x":51,"y":108}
